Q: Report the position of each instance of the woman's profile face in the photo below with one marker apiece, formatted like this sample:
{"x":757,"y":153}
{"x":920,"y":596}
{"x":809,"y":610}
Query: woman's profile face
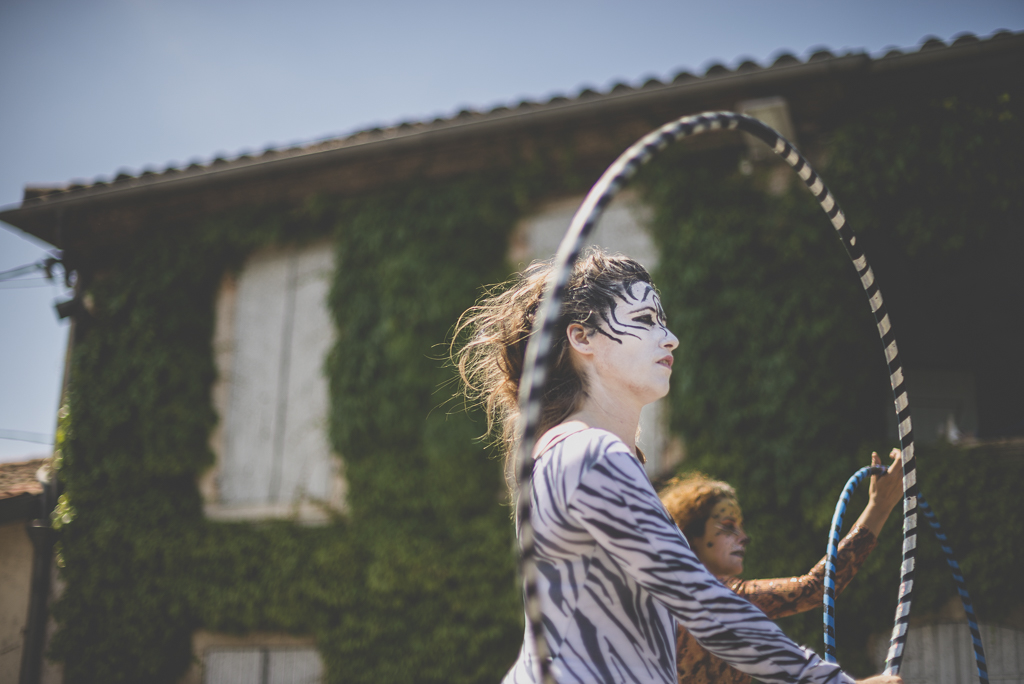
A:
{"x":632,"y":346}
{"x":722,"y":546}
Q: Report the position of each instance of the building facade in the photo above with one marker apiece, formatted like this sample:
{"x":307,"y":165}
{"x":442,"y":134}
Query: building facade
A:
{"x":262,"y":475}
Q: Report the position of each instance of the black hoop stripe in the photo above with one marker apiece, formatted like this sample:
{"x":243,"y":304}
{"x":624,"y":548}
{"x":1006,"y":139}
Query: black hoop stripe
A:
{"x":535,"y":368}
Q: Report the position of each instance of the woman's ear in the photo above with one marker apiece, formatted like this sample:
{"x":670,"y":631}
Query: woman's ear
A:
{"x":578,"y":338}
{"x":699,"y":543}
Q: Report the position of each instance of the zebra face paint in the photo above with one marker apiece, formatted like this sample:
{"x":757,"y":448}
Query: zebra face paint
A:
{"x":722,"y":546}
{"x":631,"y":348}
{"x":636,"y":310}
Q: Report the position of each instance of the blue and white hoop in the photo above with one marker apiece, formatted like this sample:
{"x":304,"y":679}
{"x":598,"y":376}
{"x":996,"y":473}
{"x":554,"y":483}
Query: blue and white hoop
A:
{"x":829,"y":597}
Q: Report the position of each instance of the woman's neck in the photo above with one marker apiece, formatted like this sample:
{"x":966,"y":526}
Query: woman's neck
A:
{"x":612,"y":416}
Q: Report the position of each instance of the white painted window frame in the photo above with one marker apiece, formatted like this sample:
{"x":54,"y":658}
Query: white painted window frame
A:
{"x":307,"y":325}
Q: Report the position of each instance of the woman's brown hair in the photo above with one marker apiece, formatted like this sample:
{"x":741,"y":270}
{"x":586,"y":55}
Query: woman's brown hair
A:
{"x":690,"y":498}
{"x":499,"y":326}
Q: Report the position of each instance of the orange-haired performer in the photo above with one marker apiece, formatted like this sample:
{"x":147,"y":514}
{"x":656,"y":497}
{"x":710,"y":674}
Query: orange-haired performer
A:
{"x":709,"y":516}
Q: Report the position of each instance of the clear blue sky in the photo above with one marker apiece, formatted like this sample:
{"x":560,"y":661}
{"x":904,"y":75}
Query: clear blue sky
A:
{"x":95,"y":86}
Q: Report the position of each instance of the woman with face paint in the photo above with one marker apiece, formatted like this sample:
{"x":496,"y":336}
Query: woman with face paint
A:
{"x":708,"y":514}
{"x":615,"y":573}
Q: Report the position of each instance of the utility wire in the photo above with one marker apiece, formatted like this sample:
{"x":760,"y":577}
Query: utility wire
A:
{"x":20,"y":271}
{"x":21,"y":283}
{"x":45,"y":265}
{"x":25,"y":436}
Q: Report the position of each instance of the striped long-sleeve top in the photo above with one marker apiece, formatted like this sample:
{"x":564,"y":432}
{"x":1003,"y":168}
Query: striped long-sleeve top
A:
{"x":615,"y":573}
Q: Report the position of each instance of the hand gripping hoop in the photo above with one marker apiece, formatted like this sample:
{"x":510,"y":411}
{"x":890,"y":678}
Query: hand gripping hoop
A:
{"x":539,"y":347}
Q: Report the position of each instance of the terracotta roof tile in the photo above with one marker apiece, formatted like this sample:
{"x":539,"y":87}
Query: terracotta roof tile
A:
{"x":785,"y":59}
{"x":717,"y":70}
{"x":20,"y":478}
{"x":965,"y":38}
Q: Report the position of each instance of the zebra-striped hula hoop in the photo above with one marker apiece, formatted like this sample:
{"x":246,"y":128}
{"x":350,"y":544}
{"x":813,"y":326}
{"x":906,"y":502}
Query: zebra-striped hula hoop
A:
{"x":539,"y":347}
{"x":961,"y":588}
{"x":829,"y":596}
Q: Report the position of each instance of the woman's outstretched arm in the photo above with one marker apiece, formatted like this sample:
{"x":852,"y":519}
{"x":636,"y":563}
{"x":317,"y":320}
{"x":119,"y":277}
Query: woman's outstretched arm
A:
{"x":784,"y":596}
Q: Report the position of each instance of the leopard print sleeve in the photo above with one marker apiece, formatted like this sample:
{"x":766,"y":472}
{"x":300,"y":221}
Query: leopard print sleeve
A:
{"x":782,"y":597}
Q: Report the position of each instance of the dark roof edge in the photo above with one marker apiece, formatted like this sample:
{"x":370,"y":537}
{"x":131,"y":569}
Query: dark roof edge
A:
{"x":437,"y":133}
{"x":398,"y":139}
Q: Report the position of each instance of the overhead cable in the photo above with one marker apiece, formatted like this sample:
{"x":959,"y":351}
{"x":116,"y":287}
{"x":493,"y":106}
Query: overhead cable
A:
{"x":25,"y":436}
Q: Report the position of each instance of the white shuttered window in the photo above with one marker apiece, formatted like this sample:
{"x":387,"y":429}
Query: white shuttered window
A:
{"x":273,"y":335}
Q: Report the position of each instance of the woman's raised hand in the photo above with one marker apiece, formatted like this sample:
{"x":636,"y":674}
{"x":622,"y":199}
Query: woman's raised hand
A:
{"x":887,"y":490}
{"x":882,"y":679}
{"x":884,"y":493}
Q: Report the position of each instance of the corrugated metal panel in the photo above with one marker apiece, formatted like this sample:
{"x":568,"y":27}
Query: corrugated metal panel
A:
{"x":263,"y":666}
{"x":295,"y":666}
{"x":233,"y":666}
{"x":941,"y":653}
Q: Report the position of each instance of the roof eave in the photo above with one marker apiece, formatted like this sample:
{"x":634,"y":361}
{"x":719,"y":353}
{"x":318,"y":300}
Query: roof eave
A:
{"x":37,"y":216}
{"x":440,"y":133}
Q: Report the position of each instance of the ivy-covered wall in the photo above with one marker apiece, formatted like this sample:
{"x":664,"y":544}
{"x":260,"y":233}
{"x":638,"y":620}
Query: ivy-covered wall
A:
{"x":416,"y":582}
{"x":780,"y":388}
